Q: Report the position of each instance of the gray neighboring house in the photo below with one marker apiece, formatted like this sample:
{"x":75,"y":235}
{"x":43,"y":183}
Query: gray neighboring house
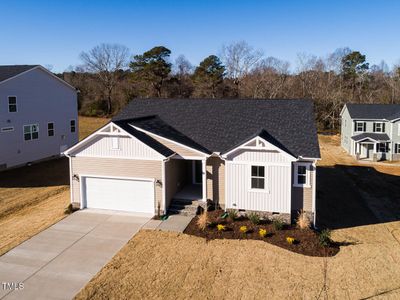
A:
{"x":173,"y":155}
{"x":38,"y":115}
{"x":371,"y":131}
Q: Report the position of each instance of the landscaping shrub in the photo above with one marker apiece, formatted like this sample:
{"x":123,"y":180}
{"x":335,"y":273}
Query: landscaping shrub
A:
{"x":290,"y":240}
{"x":325,"y":238}
{"x":303,"y":221}
{"x":254,"y":218}
{"x":221,"y":227}
{"x":262,"y":232}
{"x":233,"y":214}
{"x":243,"y":229}
{"x":202,"y":220}
{"x":70,"y":209}
{"x":279,"y":224}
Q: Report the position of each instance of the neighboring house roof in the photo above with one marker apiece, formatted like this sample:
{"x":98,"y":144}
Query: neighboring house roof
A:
{"x":7,"y":72}
{"x":373,"y":136}
{"x":218,"y":125}
{"x":374,"y":111}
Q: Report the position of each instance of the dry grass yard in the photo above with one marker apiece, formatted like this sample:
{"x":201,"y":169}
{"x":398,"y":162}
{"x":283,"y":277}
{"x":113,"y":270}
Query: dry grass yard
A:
{"x":33,"y":198}
{"x":160,"y":265}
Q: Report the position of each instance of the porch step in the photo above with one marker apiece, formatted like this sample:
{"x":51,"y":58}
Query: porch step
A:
{"x":183,"y":207}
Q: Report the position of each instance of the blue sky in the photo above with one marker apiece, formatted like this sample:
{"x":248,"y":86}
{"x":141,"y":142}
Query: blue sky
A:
{"x":55,"y":32}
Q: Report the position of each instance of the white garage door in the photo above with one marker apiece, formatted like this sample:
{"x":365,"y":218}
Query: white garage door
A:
{"x":119,"y":194}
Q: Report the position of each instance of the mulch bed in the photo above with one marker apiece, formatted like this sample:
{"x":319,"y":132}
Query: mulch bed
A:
{"x":307,"y":241}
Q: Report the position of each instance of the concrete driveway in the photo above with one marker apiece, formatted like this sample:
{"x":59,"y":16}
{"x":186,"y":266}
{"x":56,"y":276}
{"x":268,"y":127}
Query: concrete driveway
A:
{"x":58,"y":262}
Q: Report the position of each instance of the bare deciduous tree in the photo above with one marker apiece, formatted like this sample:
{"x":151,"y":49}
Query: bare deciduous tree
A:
{"x":106,"y":61}
{"x":239,"y":59}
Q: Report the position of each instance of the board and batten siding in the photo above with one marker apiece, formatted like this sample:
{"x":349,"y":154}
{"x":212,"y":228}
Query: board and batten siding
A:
{"x":277,"y":195}
{"x":258,"y":156}
{"x":115,"y":167}
{"x":101,"y":146}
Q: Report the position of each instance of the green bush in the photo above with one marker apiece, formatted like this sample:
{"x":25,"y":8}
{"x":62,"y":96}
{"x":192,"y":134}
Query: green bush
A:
{"x":254,"y":218}
{"x":325,"y":238}
{"x":233,"y":214}
{"x":279,"y":224}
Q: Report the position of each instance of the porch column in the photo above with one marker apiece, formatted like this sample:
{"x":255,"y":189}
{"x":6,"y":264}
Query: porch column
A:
{"x":204,"y":176}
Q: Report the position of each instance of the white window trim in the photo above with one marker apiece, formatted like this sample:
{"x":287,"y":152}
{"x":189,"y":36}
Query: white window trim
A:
{"x":307,"y":184}
{"x":70,"y":126}
{"x":356,"y":127}
{"x":7,"y":129}
{"x":117,"y":141}
{"x":8,"y":104}
{"x":381,"y":124}
{"x":265,"y":189}
{"x":54,"y":129}
{"x":23,"y":132}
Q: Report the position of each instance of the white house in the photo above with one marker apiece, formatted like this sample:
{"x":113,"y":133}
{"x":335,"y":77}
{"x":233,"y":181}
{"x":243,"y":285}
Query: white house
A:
{"x":158,"y":155}
{"x":38,"y":115}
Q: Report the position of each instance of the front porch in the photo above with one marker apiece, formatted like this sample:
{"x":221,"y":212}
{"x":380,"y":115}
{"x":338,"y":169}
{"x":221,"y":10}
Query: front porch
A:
{"x":371,"y":146}
{"x":186,"y":185}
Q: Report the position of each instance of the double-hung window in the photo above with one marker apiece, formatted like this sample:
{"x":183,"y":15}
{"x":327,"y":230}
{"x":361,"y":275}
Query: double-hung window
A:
{"x":258,"y":177}
{"x":382,"y":147}
{"x":379,"y":127}
{"x":301,"y":175}
{"x":359,"y":126}
{"x":397,"y":148}
{"x":50,"y":129}
{"x":31,"y":132}
{"x":73,"y":125}
{"x":12,"y":104}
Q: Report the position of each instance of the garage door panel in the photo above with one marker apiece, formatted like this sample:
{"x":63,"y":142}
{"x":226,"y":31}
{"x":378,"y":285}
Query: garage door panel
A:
{"x":119,"y":194}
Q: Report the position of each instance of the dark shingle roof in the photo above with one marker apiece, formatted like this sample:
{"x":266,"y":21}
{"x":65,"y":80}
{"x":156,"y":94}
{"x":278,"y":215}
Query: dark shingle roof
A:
{"x":7,"y":72}
{"x":218,"y":125}
{"x":374,"y":111}
{"x":374,"y":136}
{"x":160,"y":148}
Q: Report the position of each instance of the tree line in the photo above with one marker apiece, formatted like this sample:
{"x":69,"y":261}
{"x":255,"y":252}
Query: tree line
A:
{"x":109,"y":78}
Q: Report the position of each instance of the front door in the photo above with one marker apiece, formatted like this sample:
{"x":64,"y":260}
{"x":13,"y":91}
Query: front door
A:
{"x":197,"y":172}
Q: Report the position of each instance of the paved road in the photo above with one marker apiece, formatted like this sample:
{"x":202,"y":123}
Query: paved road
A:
{"x":59,"y":261}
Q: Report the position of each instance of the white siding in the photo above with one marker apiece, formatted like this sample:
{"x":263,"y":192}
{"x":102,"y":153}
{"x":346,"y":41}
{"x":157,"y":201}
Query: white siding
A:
{"x":278,"y":183}
{"x":277,"y":195}
{"x":102,"y":146}
{"x":258,"y":156}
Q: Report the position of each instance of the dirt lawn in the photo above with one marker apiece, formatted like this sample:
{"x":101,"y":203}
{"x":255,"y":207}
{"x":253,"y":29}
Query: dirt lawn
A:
{"x":33,"y":198}
{"x":161,"y":265}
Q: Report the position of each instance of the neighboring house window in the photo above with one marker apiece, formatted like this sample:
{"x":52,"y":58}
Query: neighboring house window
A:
{"x":359,"y":126}
{"x":115,"y":143}
{"x":31,"y":132}
{"x":258,"y":177}
{"x":301,"y":176}
{"x":7,"y":129}
{"x":73,"y":125}
{"x":379,"y":127}
{"x":397,"y":148}
{"x":12,"y":104}
{"x":382,"y":147}
{"x":50,"y":129}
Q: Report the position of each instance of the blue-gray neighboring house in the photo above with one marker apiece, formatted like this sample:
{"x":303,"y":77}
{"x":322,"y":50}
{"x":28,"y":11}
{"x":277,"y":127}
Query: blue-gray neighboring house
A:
{"x":38,"y":115}
{"x":371,"y":131}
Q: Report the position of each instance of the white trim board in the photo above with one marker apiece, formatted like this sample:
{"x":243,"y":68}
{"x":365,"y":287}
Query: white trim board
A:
{"x":169,"y":140}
